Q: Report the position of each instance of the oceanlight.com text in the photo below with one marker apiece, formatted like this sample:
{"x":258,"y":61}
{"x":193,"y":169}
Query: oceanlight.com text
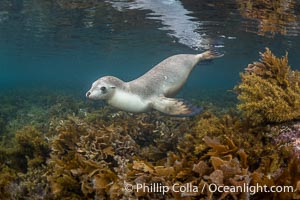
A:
{"x":251,"y":189}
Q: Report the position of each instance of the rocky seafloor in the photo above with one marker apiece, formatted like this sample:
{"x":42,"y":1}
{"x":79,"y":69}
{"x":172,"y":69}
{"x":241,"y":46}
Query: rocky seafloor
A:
{"x":56,"y":146}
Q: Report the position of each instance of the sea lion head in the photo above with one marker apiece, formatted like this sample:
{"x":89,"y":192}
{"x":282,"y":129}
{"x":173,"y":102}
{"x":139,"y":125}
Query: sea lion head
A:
{"x":103,"y":88}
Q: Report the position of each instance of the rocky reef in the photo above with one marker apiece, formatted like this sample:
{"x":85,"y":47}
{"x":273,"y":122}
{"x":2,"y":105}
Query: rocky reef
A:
{"x":64,"y":148}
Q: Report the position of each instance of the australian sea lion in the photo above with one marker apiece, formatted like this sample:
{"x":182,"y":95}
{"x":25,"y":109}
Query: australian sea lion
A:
{"x":154,"y":89}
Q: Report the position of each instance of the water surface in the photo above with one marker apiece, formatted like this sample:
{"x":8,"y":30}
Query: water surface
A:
{"x":69,"y":44}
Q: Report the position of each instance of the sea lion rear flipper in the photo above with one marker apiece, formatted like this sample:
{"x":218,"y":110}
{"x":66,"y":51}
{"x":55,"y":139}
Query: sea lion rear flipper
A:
{"x":209,"y":55}
{"x":175,"y":107}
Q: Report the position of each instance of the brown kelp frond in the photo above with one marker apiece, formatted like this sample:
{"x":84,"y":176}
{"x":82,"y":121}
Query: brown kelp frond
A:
{"x":192,"y":172}
{"x":84,"y":156}
{"x":271,"y":67}
{"x":22,"y":165}
{"x":269,"y":91}
{"x":90,"y":154}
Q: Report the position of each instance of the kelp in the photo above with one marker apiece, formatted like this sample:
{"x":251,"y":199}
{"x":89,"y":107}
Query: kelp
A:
{"x":273,"y":16}
{"x":228,"y":156}
{"x":90,"y":153}
{"x":28,"y":148}
{"x":97,"y":157}
{"x":7,"y":177}
{"x":24,"y":146}
{"x":83,"y":151}
{"x":22,"y":165}
{"x":82,"y":156}
{"x":234,"y":150}
{"x":269,"y":91}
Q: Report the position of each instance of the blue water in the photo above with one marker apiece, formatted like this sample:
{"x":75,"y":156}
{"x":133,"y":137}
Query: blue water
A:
{"x":69,"y":44}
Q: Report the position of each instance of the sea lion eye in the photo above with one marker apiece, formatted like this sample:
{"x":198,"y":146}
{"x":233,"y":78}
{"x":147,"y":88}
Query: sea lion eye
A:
{"x":103,"y":89}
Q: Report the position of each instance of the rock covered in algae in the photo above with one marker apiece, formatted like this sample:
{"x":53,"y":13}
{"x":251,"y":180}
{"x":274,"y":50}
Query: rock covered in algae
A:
{"x":289,"y":136}
{"x":269,"y":91}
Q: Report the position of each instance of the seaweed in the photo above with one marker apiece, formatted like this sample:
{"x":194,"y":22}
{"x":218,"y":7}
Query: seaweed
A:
{"x":28,"y":148}
{"x":76,"y":150}
{"x":273,"y":17}
{"x":23,"y":163}
{"x":90,"y":153}
{"x":269,"y":91}
{"x":7,"y":176}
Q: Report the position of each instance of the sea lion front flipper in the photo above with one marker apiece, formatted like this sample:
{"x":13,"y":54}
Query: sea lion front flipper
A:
{"x":175,"y":107}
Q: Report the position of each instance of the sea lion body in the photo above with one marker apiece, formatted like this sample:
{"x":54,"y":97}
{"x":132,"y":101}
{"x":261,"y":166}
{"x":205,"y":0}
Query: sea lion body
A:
{"x":154,"y":89}
{"x":170,"y":74}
